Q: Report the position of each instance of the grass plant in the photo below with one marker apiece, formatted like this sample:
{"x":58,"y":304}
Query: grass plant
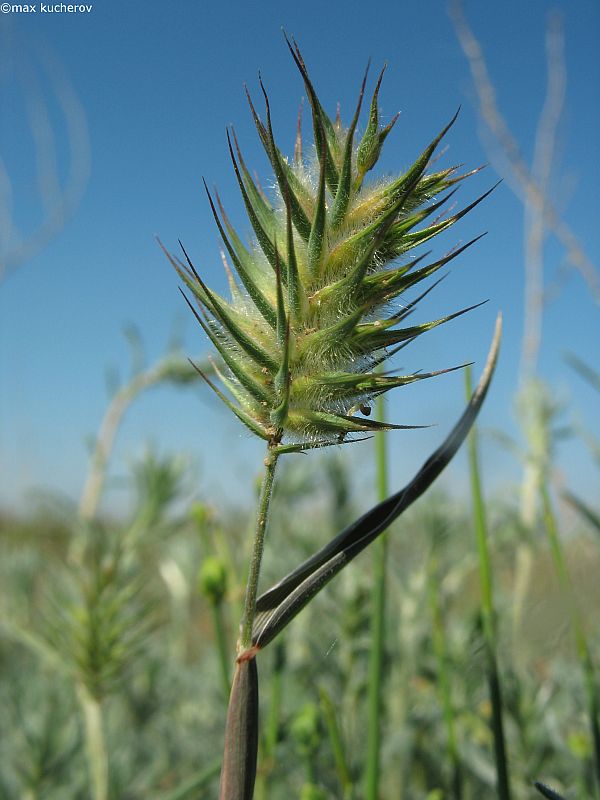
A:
{"x":301,"y":339}
{"x":488,"y":612}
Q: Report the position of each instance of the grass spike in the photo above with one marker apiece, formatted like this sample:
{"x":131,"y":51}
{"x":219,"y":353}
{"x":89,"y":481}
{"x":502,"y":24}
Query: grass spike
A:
{"x":262,"y":207}
{"x":219,"y":308}
{"x":286,"y":178}
{"x":345,"y":423}
{"x":317,"y":232}
{"x":405,"y":187}
{"x":298,"y":140}
{"x":353,"y":386}
{"x":282,"y":322}
{"x":384,"y":286}
{"x":236,"y":295}
{"x":323,"y":306}
{"x":282,"y":377}
{"x":376,"y":337}
{"x":242,"y":262}
{"x":254,"y":388}
{"x":297,"y":301}
{"x":262,"y":131}
{"x":323,"y":127}
{"x":282,"y":384}
{"x":262,"y":236}
{"x":422,"y":236}
{"x":342,"y":196}
{"x":233,"y":390}
{"x":372,"y":141}
{"x":285,"y":175}
{"x":411,"y":220}
{"x":420,"y":165}
{"x":407,"y":309}
{"x":248,"y":421}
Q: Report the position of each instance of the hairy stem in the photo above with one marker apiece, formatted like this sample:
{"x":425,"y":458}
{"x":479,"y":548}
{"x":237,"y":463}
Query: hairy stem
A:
{"x":266,"y":491}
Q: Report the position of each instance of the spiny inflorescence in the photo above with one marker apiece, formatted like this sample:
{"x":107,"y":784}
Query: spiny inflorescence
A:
{"x":302,"y":336}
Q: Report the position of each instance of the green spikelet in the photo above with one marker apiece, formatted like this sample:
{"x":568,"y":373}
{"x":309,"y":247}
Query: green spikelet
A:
{"x":300,"y":345}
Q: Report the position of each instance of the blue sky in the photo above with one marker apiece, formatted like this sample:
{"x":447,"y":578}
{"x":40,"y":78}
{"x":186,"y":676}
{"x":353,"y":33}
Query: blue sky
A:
{"x":159,"y":83}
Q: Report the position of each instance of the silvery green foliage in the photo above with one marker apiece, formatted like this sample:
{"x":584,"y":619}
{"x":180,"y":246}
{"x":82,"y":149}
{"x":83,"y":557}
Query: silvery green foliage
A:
{"x":98,"y":619}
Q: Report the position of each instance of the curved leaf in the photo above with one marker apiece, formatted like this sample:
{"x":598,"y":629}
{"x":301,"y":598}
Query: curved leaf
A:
{"x":546,"y":791}
{"x":280,"y":604}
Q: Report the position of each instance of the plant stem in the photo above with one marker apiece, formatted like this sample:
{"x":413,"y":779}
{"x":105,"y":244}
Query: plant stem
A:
{"x":238,"y":770}
{"x":583,"y":650}
{"x":441,"y":654}
{"x":375,"y":676}
{"x":266,"y":491}
{"x":95,"y":745}
{"x":105,"y":439}
{"x":487,"y":610}
{"x":109,"y":426}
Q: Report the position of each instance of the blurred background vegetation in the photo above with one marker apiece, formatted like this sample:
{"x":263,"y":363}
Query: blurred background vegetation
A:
{"x":134,"y":621}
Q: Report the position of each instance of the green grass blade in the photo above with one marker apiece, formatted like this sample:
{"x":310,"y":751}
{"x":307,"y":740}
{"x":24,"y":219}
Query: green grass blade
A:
{"x":487,"y":613}
{"x":584,"y":510}
{"x":443,"y":678}
{"x":376,"y":653}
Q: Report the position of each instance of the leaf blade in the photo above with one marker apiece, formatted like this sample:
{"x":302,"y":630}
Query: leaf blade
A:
{"x":280,"y":604}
